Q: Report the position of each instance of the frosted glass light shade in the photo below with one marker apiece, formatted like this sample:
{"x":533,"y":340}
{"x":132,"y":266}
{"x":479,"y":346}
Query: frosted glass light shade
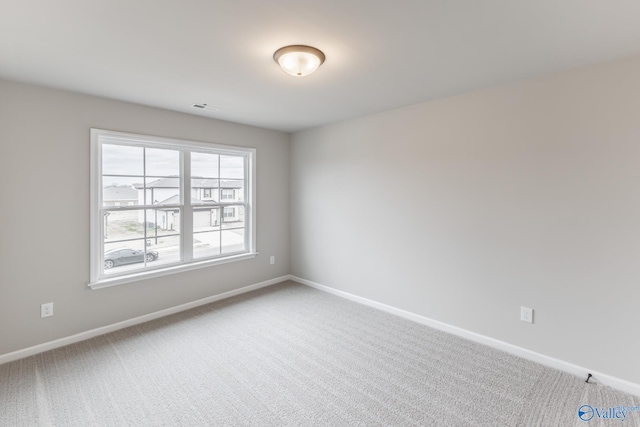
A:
{"x":299,"y":60}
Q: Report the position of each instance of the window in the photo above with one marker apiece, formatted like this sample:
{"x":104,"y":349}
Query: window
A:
{"x":228,"y":194}
{"x":177,"y":222}
{"x":229,"y":213}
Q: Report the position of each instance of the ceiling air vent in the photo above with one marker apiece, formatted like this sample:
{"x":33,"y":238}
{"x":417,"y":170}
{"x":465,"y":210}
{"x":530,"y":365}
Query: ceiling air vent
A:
{"x":205,"y":107}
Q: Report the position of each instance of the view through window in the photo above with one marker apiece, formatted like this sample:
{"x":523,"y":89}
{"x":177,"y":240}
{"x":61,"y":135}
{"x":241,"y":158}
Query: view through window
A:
{"x":164,"y":203}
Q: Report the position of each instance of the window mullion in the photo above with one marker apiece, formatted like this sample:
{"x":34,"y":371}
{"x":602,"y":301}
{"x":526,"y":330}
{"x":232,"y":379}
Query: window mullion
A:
{"x":187,"y":217}
{"x":144,"y":211}
{"x":249,"y":236}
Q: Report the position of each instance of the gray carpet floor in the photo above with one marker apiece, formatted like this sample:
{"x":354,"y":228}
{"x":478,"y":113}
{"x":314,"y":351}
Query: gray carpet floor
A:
{"x":289,"y":355}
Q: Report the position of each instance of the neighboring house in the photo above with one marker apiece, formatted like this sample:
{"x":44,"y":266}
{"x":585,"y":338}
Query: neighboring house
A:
{"x":119,"y":195}
{"x":165,"y":191}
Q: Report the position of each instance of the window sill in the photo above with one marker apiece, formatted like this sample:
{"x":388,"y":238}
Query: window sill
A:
{"x":144,"y":275}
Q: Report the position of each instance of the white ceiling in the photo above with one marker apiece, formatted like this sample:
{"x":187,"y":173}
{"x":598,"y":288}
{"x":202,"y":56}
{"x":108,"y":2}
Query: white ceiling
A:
{"x":380,"y":54}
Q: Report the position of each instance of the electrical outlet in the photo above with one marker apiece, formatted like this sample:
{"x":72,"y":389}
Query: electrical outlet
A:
{"x":46,"y":310}
{"x":272,"y":259}
{"x":526,"y":314}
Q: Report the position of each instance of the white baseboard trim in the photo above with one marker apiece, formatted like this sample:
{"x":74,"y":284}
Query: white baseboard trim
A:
{"x":561,"y":365}
{"x":40,"y":348}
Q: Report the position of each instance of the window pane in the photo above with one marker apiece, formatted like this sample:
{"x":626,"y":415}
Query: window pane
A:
{"x":204,"y":165}
{"x":162,"y":162}
{"x":206,"y":219}
{"x":136,"y":255}
{"x":231,"y":190}
{"x":163,"y":250}
{"x":233,"y":241}
{"x":162,"y":222}
{"x":121,"y":257}
{"x":163,"y":236}
{"x":134,"y":241}
{"x":121,"y":226}
{"x":206,"y":244}
{"x":205,"y":190}
{"x":233,"y":217}
{"x":162,"y":191}
{"x":232,"y":167}
{"x":121,"y":191}
{"x":122,"y":160}
{"x":206,"y":236}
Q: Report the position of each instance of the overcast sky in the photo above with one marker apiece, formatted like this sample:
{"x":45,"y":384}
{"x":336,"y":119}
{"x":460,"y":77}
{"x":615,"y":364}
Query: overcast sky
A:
{"x":126,"y":160}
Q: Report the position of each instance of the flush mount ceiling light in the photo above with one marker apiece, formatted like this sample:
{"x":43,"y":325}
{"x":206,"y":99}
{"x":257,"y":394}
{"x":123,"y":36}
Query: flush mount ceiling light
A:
{"x":299,"y":60}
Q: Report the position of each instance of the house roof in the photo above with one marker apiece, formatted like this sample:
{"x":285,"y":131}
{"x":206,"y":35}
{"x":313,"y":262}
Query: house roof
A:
{"x":174,"y":182}
{"x":175,"y":200}
{"x":119,"y":192}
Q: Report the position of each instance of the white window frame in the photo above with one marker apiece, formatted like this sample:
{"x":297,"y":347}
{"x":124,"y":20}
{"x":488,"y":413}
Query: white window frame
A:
{"x":224,"y":195}
{"x":98,"y":137}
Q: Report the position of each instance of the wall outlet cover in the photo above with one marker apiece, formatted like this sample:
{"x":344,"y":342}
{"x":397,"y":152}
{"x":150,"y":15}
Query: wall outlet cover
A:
{"x":46,"y":309}
{"x":526,"y":314}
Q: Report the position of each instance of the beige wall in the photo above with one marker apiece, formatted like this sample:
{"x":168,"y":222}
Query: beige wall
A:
{"x":44,"y":167}
{"x":464,"y":209}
